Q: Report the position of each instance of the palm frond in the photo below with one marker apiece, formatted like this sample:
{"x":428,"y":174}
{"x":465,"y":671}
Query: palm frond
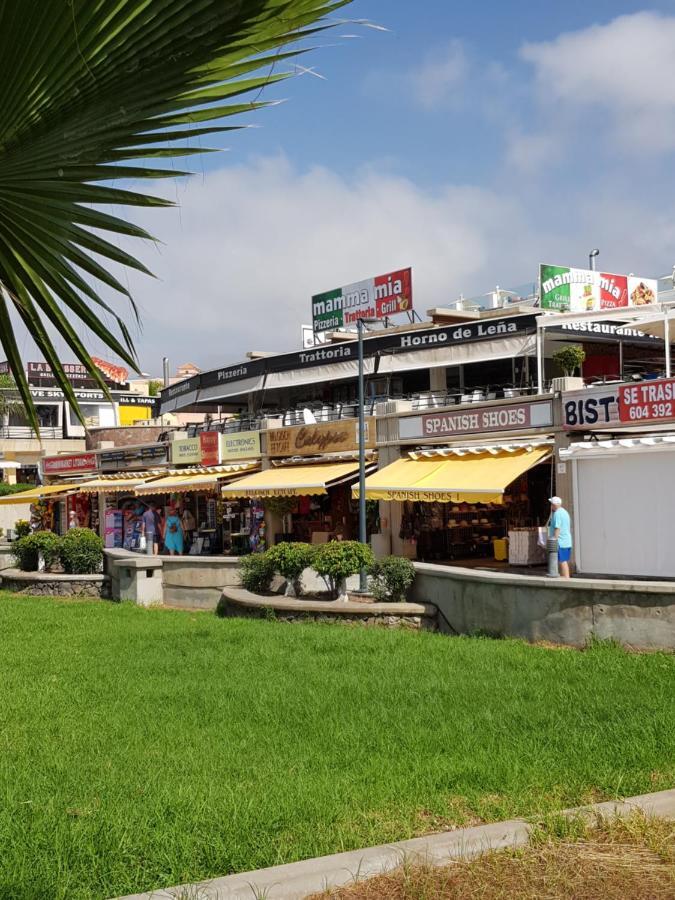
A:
{"x":87,"y":87}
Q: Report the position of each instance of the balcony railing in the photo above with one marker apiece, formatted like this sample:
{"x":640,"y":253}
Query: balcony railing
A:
{"x":25,"y":433}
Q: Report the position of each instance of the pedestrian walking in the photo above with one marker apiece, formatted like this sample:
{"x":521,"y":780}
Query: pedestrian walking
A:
{"x":149,"y":529}
{"x":559,"y":528}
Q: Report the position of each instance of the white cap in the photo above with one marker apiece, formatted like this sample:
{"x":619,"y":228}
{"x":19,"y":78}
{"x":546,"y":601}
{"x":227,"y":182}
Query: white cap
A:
{"x":556,"y":501}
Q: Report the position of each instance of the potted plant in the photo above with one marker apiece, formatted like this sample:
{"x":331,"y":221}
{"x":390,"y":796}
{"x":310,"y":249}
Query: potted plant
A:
{"x":570,"y":359}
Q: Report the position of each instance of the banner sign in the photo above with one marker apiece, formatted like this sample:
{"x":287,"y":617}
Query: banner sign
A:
{"x":69,"y":464}
{"x":324,"y":437}
{"x":374,"y":298}
{"x":583,"y":290}
{"x":648,"y":401}
{"x":602,"y":408}
{"x":450,"y":423}
{"x":209,"y":445}
{"x":239,"y":445}
{"x":186,"y":450}
{"x":134,"y":457}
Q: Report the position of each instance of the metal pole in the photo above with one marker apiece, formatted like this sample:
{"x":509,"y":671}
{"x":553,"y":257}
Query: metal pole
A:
{"x":363,"y":537}
{"x":591,"y":262}
{"x":666,"y":337}
{"x":165,"y":370}
{"x":540,"y":360}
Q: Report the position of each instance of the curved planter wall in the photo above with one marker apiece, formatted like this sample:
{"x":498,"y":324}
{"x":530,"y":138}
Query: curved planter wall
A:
{"x":640,"y":614}
{"x":45,"y":584}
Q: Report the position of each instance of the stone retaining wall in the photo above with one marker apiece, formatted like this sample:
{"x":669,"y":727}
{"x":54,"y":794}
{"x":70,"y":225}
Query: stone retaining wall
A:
{"x":45,"y":584}
{"x":241,"y":603}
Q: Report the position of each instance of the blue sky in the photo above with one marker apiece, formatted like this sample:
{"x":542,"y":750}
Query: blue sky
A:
{"x":469,"y":140}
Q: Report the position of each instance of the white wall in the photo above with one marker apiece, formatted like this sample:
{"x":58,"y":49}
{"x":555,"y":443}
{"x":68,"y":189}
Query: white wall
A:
{"x":10,"y":512}
{"x":625,"y":514}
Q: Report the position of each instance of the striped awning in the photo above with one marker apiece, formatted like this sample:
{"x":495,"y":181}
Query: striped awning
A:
{"x":194,"y":481}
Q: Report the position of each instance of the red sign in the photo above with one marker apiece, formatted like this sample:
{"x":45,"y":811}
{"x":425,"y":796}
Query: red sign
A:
{"x":63,"y":465}
{"x":613,"y":291}
{"x":496,"y":418}
{"x":209,"y":445}
{"x":648,"y":401}
{"x":393,"y":293}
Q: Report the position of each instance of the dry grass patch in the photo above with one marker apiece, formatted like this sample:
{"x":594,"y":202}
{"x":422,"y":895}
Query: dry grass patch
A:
{"x":625,"y":858}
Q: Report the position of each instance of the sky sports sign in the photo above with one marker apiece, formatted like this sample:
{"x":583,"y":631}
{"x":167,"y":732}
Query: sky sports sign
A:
{"x":374,"y":298}
{"x":583,"y":290}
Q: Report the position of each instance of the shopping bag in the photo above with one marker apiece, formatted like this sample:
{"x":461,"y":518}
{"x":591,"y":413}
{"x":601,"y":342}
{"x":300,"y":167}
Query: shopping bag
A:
{"x":142,"y":543}
{"x":542,"y":536}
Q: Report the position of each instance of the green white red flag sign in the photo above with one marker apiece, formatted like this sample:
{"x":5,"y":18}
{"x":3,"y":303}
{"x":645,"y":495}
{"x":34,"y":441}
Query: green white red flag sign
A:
{"x":375,"y":298}
{"x":583,"y":290}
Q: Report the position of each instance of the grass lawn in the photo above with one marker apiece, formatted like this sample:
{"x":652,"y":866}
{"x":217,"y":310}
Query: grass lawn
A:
{"x":144,"y":748}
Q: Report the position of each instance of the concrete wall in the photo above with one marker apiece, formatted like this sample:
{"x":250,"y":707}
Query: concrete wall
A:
{"x":124,"y":435}
{"x":638,"y":614}
{"x":10,"y":512}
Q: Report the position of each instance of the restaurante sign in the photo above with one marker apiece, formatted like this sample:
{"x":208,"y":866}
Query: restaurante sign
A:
{"x":324,"y":437}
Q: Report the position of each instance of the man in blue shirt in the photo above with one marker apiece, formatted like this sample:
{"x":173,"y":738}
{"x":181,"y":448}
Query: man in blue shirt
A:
{"x":559,"y":528}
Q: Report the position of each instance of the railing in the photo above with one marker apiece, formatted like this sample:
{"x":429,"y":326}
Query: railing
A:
{"x":25,"y":432}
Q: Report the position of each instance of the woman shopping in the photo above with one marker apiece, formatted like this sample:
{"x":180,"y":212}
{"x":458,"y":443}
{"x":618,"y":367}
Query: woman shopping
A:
{"x":173,"y":534}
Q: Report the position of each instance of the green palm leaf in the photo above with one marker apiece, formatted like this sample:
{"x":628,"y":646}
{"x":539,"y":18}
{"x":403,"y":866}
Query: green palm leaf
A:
{"x":87,"y":87}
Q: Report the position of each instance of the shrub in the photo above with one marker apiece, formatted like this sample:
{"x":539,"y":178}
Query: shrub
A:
{"x":291,"y":559}
{"x":22,"y":527}
{"x":81,"y":551}
{"x":257,"y":572}
{"x":27,"y":550}
{"x":391,"y":578}
{"x":338,"y":560}
{"x":7,"y":489}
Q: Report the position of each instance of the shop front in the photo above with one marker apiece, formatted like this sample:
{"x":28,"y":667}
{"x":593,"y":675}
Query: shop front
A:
{"x":304,"y":488}
{"x":467,"y":484}
{"x":621,"y":461}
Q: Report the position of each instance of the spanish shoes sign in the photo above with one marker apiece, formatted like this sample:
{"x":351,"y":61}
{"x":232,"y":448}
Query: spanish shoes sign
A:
{"x":374,"y":298}
{"x":583,"y":290}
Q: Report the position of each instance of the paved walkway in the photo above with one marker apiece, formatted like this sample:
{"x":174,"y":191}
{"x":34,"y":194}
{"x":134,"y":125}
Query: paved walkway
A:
{"x":297,"y":880}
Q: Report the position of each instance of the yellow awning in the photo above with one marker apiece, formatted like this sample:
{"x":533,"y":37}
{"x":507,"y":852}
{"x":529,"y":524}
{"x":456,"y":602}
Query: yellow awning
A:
{"x":111,"y":485}
{"x":196,"y":481}
{"x":38,"y":493}
{"x":291,"y":481}
{"x":479,"y":478}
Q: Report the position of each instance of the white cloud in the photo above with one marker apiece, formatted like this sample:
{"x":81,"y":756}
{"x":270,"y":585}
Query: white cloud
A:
{"x":441,"y":76}
{"x":624,"y":70}
{"x":252,"y":243}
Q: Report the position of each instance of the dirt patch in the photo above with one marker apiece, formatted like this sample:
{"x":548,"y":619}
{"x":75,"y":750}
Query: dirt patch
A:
{"x":632,"y":858}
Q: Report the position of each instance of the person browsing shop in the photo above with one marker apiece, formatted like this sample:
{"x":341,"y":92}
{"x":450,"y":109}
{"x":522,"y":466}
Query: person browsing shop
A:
{"x":173,"y":534}
{"x":187,"y":520}
{"x":559,"y":528}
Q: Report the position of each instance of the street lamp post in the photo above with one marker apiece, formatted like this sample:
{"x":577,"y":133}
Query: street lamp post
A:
{"x":591,"y":259}
{"x":363,"y":537}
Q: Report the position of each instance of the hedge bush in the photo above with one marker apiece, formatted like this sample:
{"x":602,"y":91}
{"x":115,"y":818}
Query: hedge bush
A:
{"x":337,"y":560}
{"x":81,"y":552}
{"x":26,"y":550}
{"x":6,"y":489}
{"x":391,"y":578}
{"x":257,"y":572}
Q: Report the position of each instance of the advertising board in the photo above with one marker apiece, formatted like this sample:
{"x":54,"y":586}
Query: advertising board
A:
{"x":69,"y":463}
{"x":209,"y":446}
{"x":620,"y":405}
{"x":324,"y":437}
{"x":239,"y":445}
{"x":450,"y":423}
{"x":566,"y":289}
{"x":375,"y":298}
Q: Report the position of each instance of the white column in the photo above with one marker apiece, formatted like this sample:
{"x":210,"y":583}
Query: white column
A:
{"x":666,"y":338}
{"x":540,"y":360}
